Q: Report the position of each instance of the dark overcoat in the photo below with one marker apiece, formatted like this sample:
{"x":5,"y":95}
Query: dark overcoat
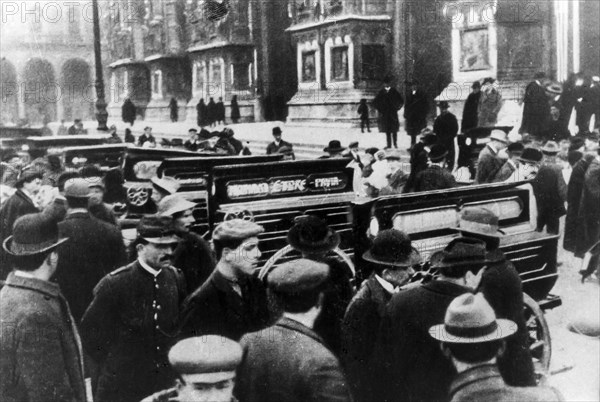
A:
{"x":550,"y":190}
{"x":95,"y":248}
{"x":235,"y":110}
{"x":387,"y":104}
{"x":445,"y":128}
{"x":273,"y":148}
{"x":289,"y":362}
{"x":129,"y":328}
{"x":220,"y":110}
{"x":359,"y":334}
{"x":216,"y":309}
{"x":128,"y":112}
{"x":434,"y":178}
{"x":40,"y":351}
{"x":410,"y":364}
{"x":195,"y":258}
{"x":488,"y":165}
{"x":536,"y":110}
{"x":201,"y":114}
{"x":589,"y":211}
{"x":470,"y":116}
{"x":418,"y":162}
{"x":574,"y":194}
{"x":416,"y":111}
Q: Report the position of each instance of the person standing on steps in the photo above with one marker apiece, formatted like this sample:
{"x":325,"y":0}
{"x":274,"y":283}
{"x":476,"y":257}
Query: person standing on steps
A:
{"x":388,"y":102}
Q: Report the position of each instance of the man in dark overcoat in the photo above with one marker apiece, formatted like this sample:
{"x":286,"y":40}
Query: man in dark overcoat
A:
{"x":536,"y":108}
{"x":445,"y":128}
{"x":233,"y":301}
{"x":489,"y":162}
{"x":128,"y":112}
{"x":289,"y":361}
{"x":415,"y":110}
{"x":589,"y":212}
{"x":133,"y":320}
{"x":470,"y":112}
{"x":387,"y":102}
{"x":550,"y":190}
{"x":410,"y":365}
{"x":96,"y":248}
{"x":40,"y":351}
{"x":501,"y":286}
{"x":277,"y":143}
{"x":20,"y":203}
{"x":392,"y":258}
{"x":436,"y":176}
{"x":574,"y":193}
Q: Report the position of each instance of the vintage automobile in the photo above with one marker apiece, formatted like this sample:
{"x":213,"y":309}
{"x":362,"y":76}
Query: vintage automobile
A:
{"x":15,"y":137}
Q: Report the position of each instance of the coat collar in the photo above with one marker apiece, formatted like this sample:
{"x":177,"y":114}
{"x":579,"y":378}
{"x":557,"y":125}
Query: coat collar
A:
{"x":234,"y":300}
{"x":485,"y":376}
{"x":77,"y":215}
{"x":22,"y":195}
{"x":37,"y":285}
{"x":293,"y":325}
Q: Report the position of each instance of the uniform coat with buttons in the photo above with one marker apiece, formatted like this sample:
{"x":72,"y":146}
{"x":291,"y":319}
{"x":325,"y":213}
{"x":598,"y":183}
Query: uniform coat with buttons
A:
{"x":40,"y":352}
{"x":129,"y":328}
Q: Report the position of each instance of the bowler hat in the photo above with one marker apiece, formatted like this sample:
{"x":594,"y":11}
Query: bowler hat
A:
{"x":438,"y":153}
{"x":206,"y":359}
{"x":33,"y":234}
{"x":550,"y":148}
{"x":531,"y":155}
{"x":499,"y":135}
{"x":157,"y":229}
{"x":334,"y":146}
{"x":479,"y":221}
{"x":461,"y":252}
{"x":297,"y":276}
{"x":77,"y":188}
{"x":392,"y":247}
{"x":236,"y":229}
{"x":311,"y":234}
{"x":276,"y":130}
{"x":470,"y":319}
{"x":516,"y":148}
{"x":172,"y":204}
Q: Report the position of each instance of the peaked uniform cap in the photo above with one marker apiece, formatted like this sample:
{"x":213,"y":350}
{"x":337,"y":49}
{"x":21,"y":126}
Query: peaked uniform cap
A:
{"x":157,"y":229}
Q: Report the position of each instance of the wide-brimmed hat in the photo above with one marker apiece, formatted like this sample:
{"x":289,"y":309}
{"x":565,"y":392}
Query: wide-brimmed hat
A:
{"x":157,"y":229}
{"x":554,"y":88}
{"x":438,"y":153}
{"x":499,"y":135}
{"x":393,"y":154}
{"x":334,"y":146}
{"x":531,"y":155}
{"x":172,"y":204}
{"x":551,"y":147}
{"x":311,"y":234}
{"x":470,"y":319}
{"x":394,"y":248}
{"x":166,"y":184}
{"x":479,"y":221}
{"x":461,"y":252}
{"x":33,"y":234}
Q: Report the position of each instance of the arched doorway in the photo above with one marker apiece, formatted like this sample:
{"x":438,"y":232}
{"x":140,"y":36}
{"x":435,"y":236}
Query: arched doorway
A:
{"x":40,"y":91}
{"x":9,"y":88}
{"x":78,"y":90}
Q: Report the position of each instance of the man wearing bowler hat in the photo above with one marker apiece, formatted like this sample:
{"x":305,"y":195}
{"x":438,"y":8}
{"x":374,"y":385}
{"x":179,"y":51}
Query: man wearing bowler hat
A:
{"x":206,"y":367}
{"x":488,"y":162}
{"x":436,"y":176}
{"x":502,"y":287}
{"x":392,"y":258}
{"x":445,"y":127}
{"x":133,"y":318}
{"x":289,"y":361}
{"x":415,"y":110}
{"x":277,"y":143}
{"x":550,"y":190}
{"x":40,"y":351}
{"x":407,"y":359}
{"x":388,"y":102}
{"x":473,"y":339}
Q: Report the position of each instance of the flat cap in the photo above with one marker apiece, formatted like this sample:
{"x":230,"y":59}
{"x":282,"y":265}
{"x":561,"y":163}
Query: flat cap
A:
{"x":236,"y":229}
{"x":77,"y":188}
{"x":209,"y":358}
{"x":173,"y":204}
{"x":95,"y":182}
{"x":298,"y":276}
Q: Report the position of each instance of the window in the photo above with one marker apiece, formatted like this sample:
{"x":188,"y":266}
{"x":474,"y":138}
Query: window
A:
{"x":309,"y":68}
{"x":373,"y":62}
{"x":339,"y":63}
{"x":240,"y":76}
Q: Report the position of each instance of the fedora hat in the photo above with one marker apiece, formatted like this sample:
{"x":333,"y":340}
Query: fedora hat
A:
{"x":334,"y":146}
{"x":33,"y":234}
{"x":531,"y":155}
{"x":172,"y":204}
{"x":470,"y":319}
{"x":392,"y":247}
{"x":157,"y":229}
{"x":499,"y":135}
{"x":461,"y":252}
{"x":312,"y":235}
{"x":438,"y":153}
{"x":479,"y":221}
{"x":551,"y":147}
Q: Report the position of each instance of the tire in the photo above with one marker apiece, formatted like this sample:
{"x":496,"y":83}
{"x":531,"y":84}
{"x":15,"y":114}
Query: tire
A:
{"x":540,"y":342}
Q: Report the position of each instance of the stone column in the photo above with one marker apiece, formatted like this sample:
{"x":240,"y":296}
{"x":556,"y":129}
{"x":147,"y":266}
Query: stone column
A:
{"x":399,"y":58}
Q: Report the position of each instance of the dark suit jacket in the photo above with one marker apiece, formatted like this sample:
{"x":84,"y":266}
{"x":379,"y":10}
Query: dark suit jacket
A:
{"x":94,"y":249}
{"x":434,"y":178}
{"x":484,"y":383}
{"x":446,"y":128}
{"x":488,"y":164}
{"x":536,"y":110}
{"x":216,"y":309}
{"x":40,"y":352}
{"x":387,"y":104}
{"x":359,"y":334}
{"x":470,"y":115}
{"x":550,"y":190}
{"x":288,"y":362}
{"x":273,"y":148}
{"x":410,"y":365}
{"x":416,"y":111}
{"x":195,"y":258}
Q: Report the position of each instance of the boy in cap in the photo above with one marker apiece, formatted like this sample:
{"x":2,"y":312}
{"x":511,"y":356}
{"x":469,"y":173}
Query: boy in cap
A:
{"x":489,"y":162}
{"x":289,"y":361}
{"x":407,"y":359}
{"x":233,"y":300}
{"x":133,"y":318}
{"x":40,"y":352}
{"x":206,"y":367}
{"x":392,"y":258}
{"x":436,"y":176}
{"x":473,"y":338}
{"x":550,"y":190}
{"x":193,"y":254}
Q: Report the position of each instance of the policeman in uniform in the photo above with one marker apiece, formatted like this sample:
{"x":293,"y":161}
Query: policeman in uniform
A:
{"x":133,"y":319}
{"x":206,"y":367}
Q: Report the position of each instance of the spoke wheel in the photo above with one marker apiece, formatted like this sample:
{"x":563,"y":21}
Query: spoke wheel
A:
{"x":540,"y":343}
{"x":138,"y":196}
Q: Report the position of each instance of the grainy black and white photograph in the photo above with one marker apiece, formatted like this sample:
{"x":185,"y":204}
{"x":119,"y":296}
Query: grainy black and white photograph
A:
{"x":299,"y":200}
